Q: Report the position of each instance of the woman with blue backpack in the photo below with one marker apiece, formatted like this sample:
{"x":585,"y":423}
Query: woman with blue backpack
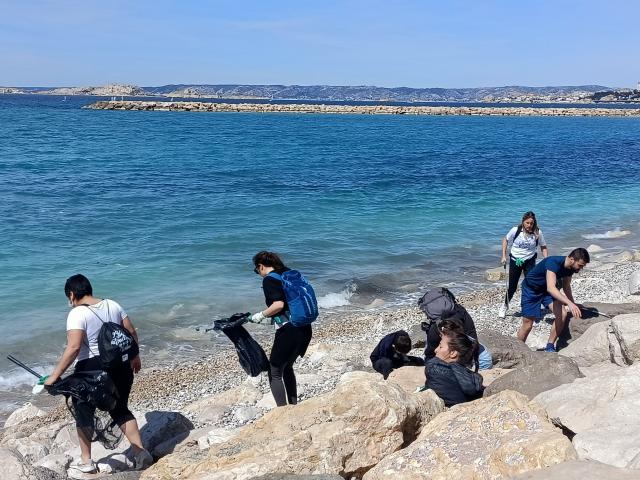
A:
{"x":291,"y":307}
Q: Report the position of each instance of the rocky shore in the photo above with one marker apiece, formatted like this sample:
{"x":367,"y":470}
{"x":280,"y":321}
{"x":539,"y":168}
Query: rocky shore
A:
{"x":361,"y":109}
{"x":207,"y":419}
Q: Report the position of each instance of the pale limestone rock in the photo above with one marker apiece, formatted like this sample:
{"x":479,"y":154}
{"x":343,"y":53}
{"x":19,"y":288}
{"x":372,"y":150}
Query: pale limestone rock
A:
{"x":490,"y":376}
{"x":579,"y":470}
{"x":491,"y":438}
{"x":26,"y":412}
{"x":408,"y":378}
{"x":345,"y":431}
{"x":209,"y":410}
{"x":57,"y":462}
{"x":616,"y":340}
{"x":593,"y":248}
{"x":495,"y":274}
{"x":602,"y":410}
{"x":30,"y":450}
{"x":634,"y":283}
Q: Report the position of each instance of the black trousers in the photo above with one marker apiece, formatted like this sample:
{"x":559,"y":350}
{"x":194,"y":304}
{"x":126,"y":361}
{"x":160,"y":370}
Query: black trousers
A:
{"x":122,"y":378}
{"x":515,"y":272}
{"x":386,"y":365}
{"x":290,"y":343}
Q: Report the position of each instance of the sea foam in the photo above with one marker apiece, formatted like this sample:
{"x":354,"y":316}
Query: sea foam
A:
{"x":616,"y":233}
{"x":339,"y":299}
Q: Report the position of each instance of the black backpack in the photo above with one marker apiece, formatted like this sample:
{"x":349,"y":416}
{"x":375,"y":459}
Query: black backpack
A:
{"x":116,"y":345}
{"x":437,"y":303}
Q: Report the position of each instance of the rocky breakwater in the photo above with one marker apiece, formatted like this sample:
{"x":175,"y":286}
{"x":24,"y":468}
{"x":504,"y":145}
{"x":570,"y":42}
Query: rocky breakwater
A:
{"x":361,"y":109}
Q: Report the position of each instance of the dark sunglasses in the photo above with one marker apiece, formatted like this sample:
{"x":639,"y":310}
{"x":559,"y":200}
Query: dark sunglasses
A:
{"x":256,"y":271}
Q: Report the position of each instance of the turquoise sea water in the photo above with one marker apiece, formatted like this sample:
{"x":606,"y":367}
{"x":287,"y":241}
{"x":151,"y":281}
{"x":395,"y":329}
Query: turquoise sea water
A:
{"x":164,"y":210}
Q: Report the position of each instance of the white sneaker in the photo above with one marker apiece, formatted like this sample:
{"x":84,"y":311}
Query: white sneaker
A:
{"x":503,"y":310}
{"x":81,"y":467}
{"x":142,"y":460}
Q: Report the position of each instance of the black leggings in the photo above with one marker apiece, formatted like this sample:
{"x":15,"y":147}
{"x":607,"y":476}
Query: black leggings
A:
{"x":386,"y":365}
{"x":122,"y":378}
{"x":289,"y":344}
{"x":515,"y":271}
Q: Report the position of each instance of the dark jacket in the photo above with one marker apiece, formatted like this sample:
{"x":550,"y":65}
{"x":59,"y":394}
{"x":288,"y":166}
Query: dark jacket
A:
{"x":385,"y":349}
{"x":433,"y":334}
{"x":453,"y":382}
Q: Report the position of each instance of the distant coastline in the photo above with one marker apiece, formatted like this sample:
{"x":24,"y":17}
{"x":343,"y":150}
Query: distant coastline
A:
{"x":182,"y":106}
{"x":583,"y":94}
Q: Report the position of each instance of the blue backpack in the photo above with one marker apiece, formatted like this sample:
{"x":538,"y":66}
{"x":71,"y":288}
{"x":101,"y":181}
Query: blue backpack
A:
{"x":303,"y":307}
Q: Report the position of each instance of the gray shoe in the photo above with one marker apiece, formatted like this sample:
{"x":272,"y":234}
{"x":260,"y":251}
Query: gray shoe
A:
{"x":142,"y":460}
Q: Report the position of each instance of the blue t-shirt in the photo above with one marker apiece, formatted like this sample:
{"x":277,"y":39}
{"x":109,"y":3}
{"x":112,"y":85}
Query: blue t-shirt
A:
{"x":537,"y":277}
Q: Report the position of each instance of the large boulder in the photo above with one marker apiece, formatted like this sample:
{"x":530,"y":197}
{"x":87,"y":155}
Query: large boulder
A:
{"x":210,"y":410}
{"x":617,"y":341}
{"x":15,"y":467}
{"x":594,"y":312}
{"x":22,"y":414}
{"x":634,"y":283}
{"x":345,"y":432}
{"x":549,"y":371}
{"x":579,"y":470}
{"x":602,"y":411}
{"x":490,"y":438}
{"x":506,"y":352}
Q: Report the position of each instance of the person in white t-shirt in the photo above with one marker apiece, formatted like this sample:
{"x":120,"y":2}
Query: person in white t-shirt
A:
{"x":525,"y":240}
{"x":83,"y":325}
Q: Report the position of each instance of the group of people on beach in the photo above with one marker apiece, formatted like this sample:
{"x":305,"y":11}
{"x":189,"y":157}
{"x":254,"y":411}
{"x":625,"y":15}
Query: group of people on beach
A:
{"x":451,"y":342}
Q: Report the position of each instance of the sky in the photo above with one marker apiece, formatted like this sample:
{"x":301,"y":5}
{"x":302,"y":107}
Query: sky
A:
{"x":439,"y":43}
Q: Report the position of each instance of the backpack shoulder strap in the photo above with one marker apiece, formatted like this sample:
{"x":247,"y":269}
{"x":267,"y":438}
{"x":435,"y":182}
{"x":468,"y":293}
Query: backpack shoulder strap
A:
{"x":275,"y":275}
{"x":518,"y":231}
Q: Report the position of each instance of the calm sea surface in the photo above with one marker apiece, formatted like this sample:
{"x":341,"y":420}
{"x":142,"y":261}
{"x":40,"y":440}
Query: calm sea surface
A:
{"x":164,"y":210}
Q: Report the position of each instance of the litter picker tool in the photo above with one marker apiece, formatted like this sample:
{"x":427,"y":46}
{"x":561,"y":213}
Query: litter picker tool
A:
{"x":596,"y":311}
{"x":13,"y":359}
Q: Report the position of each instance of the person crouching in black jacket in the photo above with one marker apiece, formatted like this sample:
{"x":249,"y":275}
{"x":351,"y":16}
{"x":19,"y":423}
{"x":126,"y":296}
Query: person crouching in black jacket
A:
{"x":391,"y":353}
{"x":447,"y":373}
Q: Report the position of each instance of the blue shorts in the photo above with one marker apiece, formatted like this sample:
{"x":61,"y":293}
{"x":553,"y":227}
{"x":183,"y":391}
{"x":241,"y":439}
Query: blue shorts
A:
{"x":531,"y":302}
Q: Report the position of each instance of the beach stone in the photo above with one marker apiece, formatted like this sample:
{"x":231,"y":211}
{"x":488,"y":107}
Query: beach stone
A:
{"x":30,"y":450}
{"x":26,"y":412}
{"x":490,"y":376}
{"x":549,"y":371}
{"x":634,"y":283}
{"x":182,"y":440}
{"x":495,"y":274}
{"x":14,"y":466}
{"x":345,"y":431}
{"x":408,"y":378}
{"x":616,"y":340}
{"x":602,"y":411}
{"x":57,"y":462}
{"x":244,"y":414}
{"x":209,"y":410}
{"x":489,"y":438}
{"x":285,"y":476}
{"x":506,"y":352}
{"x":593,"y":248}
{"x":215,"y":436}
{"x":579,"y":470}
{"x":418,"y":336}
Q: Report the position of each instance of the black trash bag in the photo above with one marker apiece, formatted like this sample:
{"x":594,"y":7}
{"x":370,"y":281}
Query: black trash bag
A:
{"x":96,"y":389}
{"x":252,"y":358}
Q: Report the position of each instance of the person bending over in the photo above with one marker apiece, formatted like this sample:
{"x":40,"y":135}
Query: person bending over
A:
{"x":290,"y":341}
{"x":84,"y":321}
{"x":448,"y":374}
{"x":539,"y":288}
{"x":392,"y":352}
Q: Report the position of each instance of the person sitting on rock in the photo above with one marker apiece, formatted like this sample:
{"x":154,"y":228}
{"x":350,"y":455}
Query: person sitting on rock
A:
{"x":391,"y":353}
{"x":447,"y":373}
{"x":464,"y":321}
{"x":540,"y":288}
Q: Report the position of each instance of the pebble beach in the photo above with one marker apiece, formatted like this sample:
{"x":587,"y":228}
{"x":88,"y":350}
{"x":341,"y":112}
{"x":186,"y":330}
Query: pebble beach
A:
{"x":175,"y":386}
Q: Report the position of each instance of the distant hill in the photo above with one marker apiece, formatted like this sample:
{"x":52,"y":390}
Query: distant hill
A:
{"x":622,"y":95}
{"x":380,"y":94}
{"x":363,"y":93}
